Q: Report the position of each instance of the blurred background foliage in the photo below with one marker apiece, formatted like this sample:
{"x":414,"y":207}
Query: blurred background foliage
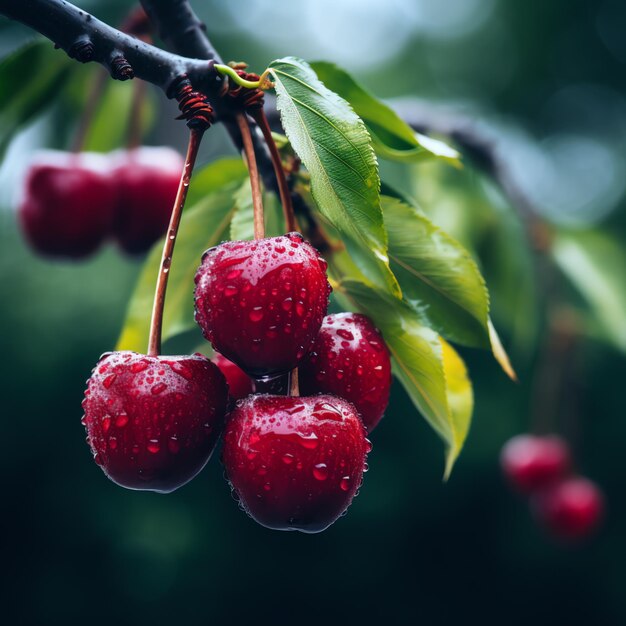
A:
{"x":545,"y":83}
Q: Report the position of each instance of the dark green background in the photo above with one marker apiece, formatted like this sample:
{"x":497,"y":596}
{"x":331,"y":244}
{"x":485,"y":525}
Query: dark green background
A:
{"x":411,"y":550}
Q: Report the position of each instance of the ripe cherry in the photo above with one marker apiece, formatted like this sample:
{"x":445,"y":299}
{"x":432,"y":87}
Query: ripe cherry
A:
{"x":261,"y":303}
{"x":531,"y":462}
{"x":295,"y":463}
{"x":148,"y":179}
{"x":349,"y":359}
{"x":572,"y":508}
{"x":240,"y":384}
{"x":68,"y":203}
{"x":153,"y":421}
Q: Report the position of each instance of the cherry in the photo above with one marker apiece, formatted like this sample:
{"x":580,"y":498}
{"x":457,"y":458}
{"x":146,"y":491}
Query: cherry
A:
{"x":349,"y":359}
{"x":571,"y":508}
{"x":153,"y":421}
{"x":68,"y":204}
{"x":148,"y":179}
{"x":530,"y":462}
{"x":295,"y":463}
{"x":261,"y":303}
{"x":240,"y":384}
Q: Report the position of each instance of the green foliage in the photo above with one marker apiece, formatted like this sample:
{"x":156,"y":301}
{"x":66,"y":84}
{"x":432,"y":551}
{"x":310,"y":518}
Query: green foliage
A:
{"x":392,"y":137}
{"x":595,"y":263}
{"x":334,"y":145}
{"x":30,"y":78}
{"x":437,"y":276}
{"x":435,"y":379}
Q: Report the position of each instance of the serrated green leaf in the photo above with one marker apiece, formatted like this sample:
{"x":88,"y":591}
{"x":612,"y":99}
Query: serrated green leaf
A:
{"x":432,"y":374}
{"x":437,"y":275}
{"x":594,"y":262}
{"x":204,"y":224}
{"x":242,"y":224}
{"x":460,"y":401}
{"x":391,"y":136}
{"x":334,"y":145}
{"x":31,"y":79}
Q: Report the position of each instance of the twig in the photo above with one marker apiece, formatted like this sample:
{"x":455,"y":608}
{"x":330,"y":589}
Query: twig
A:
{"x":255,"y":183}
{"x":283,"y":187}
{"x":156,"y":323}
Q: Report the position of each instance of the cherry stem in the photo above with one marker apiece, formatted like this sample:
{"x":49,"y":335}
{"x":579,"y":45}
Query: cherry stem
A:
{"x":95,"y":96}
{"x":294,"y":387}
{"x":283,"y":187}
{"x":156,"y":323}
{"x":226,"y":70}
{"x":134,"y":132}
{"x":255,"y":182}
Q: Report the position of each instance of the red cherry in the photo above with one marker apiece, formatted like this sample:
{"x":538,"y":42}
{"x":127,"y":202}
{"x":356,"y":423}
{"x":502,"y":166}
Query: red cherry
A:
{"x":295,"y":463}
{"x":530,"y":462}
{"x":240,"y":384}
{"x":68,"y":204}
{"x":148,"y":179}
{"x":153,"y":421}
{"x":349,"y":359}
{"x":261,"y":303}
{"x":571,"y":509}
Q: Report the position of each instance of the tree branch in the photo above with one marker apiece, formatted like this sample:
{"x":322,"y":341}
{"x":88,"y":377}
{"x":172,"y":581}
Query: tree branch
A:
{"x":183,"y":32}
{"x":86,"y":38}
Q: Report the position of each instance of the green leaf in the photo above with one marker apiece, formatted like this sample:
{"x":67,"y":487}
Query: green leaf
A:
{"x":109,"y":126}
{"x":594,"y":262}
{"x":460,"y":401}
{"x":334,"y":145}
{"x":203,"y":225}
{"x":433,"y":376}
{"x":391,"y":136}
{"x":437,"y":275}
{"x":242,"y":225}
{"x":31,"y":79}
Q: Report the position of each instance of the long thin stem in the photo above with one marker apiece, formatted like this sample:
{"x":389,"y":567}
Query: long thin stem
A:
{"x":156,"y":323}
{"x":281,"y":179}
{"x":255,"y":182}
{"x":294,"y":387}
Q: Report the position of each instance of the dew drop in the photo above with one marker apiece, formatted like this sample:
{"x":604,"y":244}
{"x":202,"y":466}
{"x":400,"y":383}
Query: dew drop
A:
{"x":368,"y":445}
{"x":345,"y":483}
{"x":158,"y":388}
{"x":173,"y":445}
{"x":139,"y":366}
{"x":153,"y":446}
{"x":121,"y":420}
{"x":256,"y":315}
{"x":320,"y":471}
{"x":106,"y":424}
{"x":109,"y":380}
{"x":230,"y":291}
{"x":288,"y":458}
{"x":112,"y":443}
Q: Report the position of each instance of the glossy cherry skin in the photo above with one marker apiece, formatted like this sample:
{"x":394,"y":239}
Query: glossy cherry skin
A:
{"x":240,"y":384}
{"x":531,"y":462}
{"x":295,"y":463}
{"x":148,"y":179}
{"x":349,"y":359}
{"x":68,"y":203}
{"x":570,"y":509}
{"x":153,"y":422}
{"x":261,"y":303}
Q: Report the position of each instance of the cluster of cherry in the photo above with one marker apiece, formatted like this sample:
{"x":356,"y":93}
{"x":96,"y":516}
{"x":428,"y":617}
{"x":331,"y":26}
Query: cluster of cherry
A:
{"x":570,"y":507}
{"x":73,"y":202}
{"x":294,"y":462}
